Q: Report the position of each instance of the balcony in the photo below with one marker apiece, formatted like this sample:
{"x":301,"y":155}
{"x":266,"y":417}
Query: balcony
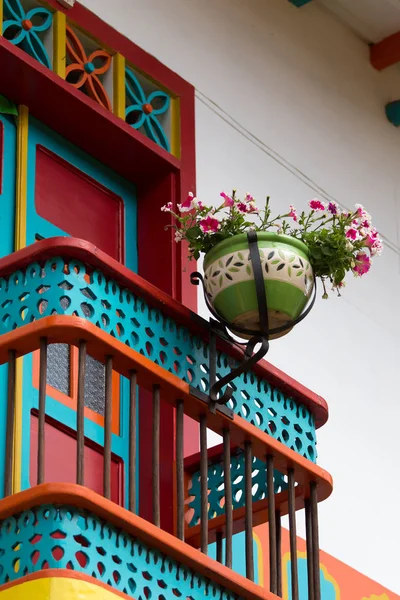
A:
{"x":65,"y":291}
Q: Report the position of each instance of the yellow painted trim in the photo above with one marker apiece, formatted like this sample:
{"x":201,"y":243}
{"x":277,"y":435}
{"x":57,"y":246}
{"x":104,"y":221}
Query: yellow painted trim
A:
{"x":57,"y":588}
{"x":21,"y":175}
{"x":59,"y":43}
{"x":260,"y":561}
{"x":119,"y":86}
{"x":175,"y":127}
{"x":327,"y":575}
{"x":20,"y":242}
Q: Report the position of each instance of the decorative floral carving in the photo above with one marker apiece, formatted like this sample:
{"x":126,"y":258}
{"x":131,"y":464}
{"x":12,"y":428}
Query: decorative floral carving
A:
{"x":147,"y":109}
{"x":83,"y":72}
{"x":21,"y":29}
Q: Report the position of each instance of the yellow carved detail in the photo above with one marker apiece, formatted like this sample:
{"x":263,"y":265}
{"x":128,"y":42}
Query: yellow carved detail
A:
{"x":59,"y":43}
{"x":119,"y":86}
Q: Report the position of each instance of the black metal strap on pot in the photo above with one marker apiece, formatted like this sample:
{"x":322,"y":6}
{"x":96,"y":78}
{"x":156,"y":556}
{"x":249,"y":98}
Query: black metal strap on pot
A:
{"x":260,"y":336}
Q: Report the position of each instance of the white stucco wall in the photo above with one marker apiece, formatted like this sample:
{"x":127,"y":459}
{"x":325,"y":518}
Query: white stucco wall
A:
{"x":301,"y":83}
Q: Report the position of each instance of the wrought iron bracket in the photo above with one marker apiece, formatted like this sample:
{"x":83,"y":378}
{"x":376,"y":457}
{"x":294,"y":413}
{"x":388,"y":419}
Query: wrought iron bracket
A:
{"x":228,"y":412}
{"x":219,"y":327}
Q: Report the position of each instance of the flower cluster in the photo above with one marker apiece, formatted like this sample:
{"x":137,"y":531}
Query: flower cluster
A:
{"x":338,"y":241}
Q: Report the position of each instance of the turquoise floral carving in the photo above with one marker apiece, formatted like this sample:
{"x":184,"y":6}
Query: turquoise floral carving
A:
{"x":146,"y":109}
{"x":21,"y":29}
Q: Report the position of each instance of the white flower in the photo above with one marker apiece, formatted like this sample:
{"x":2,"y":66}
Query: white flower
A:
{"x":167,"y":207}
{"x":178,"y":236}
{"x":349,"y":245}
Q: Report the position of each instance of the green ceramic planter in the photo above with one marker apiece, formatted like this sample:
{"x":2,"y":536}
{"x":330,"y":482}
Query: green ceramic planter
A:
{"x":288,"y":278}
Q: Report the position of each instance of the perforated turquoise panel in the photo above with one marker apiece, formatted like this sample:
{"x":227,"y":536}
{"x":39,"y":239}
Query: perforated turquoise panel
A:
{"x":63,"y":537}
{"x":216,"y":487}
{"x":60,"y":287}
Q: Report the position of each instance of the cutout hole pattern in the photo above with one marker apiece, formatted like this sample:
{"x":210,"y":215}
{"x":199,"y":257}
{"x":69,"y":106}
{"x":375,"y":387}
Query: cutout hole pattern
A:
{"x":216,"y":489}
{"x":63,"y":537}
{"x":69,"y":288}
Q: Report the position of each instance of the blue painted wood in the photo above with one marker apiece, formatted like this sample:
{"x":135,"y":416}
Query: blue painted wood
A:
{"x":216,"y":478}
{"x":140,"y":102}
{"x":392,"y":110}
{"x":7,"y":217}
{"x":41,"y":135}
{"x":23,"y":28}
{"x":299,"y":3}
{"x":67,"y":287}
{"x":65,"y":537}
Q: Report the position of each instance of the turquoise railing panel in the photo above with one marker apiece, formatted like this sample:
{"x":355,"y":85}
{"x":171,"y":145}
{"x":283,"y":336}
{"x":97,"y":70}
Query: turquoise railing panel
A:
{"x":24,"y":28}
{"x":146,"y":109}
{"x":216,"y":487}
{"x":68,"y":287}
{"x":63,"y":537}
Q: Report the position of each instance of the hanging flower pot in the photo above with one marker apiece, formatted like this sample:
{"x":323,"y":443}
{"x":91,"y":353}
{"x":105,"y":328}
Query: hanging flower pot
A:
{"x":230,"y":286}
{"x":294,"y":249}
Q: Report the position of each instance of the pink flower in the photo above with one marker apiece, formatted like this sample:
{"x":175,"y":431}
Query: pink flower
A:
{"x":293,"y":212}
{"x":333,"y":208}
{"x":200,"y":205}
{"x":352,"y":233}
{"x":228,"y":199}
{"x":209,"y":225}
{"x":167,"y":207}
{"x":316,"y":204}
{"x":366,"y":224}
{"x":252,"y":208}
{"x":376,"y":248}
{"x":178,"y":236}
{"x":189,"y":204}
{"x":361,"y":212}
{"x":371,"y":237}
{"x":242,"y":207}
{"x":249,"y":198}
{"x":363,"y":264}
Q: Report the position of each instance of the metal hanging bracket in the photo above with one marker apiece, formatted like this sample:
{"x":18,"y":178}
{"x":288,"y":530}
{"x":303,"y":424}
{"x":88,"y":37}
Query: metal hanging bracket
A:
{"x":219,"y":327}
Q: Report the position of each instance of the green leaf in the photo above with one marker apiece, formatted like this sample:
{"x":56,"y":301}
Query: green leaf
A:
{"x":233,"y":269}
{"x":240,"y":255}
{"x":248,"y":270}
{"x":299,"y":273}
{"x":292,"y":258}
{"x":7,"y":107}
{"x":289,"y":270}
{"x":275,"y":262}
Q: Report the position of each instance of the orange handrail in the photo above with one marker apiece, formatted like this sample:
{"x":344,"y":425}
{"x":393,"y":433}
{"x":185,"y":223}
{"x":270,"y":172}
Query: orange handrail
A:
{"x":96,"y":259}
{"x":74,"y":495}
{"x":69,"y":330}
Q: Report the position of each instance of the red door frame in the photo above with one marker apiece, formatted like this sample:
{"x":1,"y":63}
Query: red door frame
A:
{"x":159,"y":177}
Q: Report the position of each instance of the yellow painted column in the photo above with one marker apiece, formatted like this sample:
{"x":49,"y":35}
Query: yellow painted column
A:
{"x":175,"y":127}
{"x":59,"y":43}
{"x":1,"y":17}
{"x":119,"y":86}
{"x":20,"y":242}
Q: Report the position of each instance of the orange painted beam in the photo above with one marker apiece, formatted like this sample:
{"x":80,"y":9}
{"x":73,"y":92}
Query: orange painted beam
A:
{"x":91,"y":255}
{"x":385,"y":53}
{"x":69,"y":330}
{"x":73,"y":495}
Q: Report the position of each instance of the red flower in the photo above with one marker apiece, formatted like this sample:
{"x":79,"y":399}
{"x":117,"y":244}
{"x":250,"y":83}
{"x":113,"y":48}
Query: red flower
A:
{"x":209,"y":225}
{"x":316,"y":204}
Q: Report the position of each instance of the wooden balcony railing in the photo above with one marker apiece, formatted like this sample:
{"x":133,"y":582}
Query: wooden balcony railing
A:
{"x":66,"y":276}
{"x":306,"y":484}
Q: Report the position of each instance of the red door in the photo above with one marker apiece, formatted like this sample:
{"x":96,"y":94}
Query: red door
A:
{"x":71,"y":194}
